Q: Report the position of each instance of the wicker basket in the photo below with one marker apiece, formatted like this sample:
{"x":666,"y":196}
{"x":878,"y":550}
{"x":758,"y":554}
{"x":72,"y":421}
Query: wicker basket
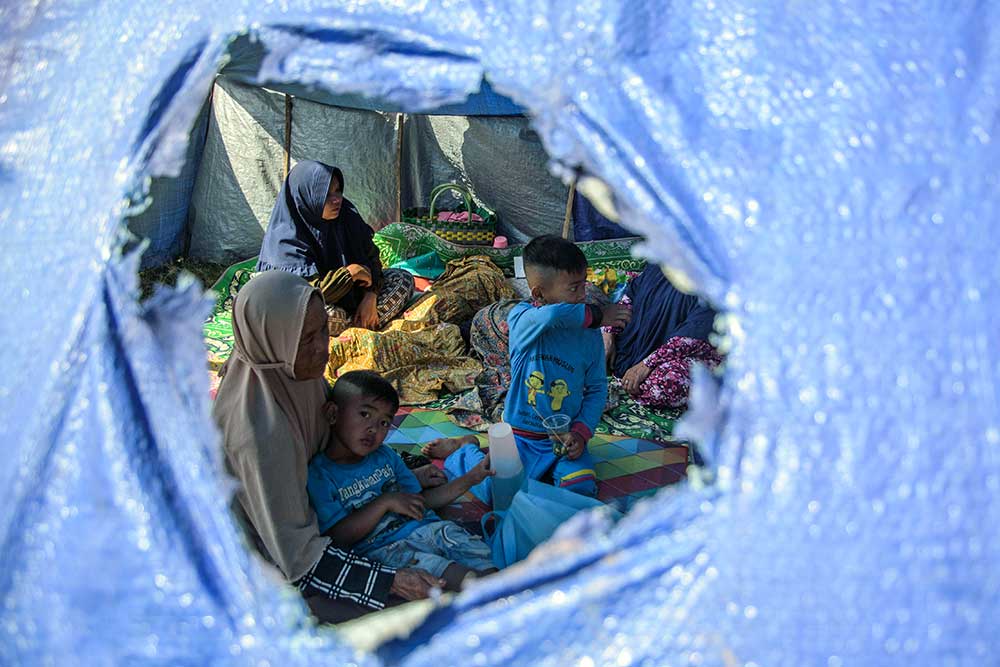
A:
{"x":468,"y":232}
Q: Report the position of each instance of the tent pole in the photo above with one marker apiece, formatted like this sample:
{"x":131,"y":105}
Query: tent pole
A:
{"x":399,"y":166}
{"x":288,"y":134}
{"x":569,"y":208}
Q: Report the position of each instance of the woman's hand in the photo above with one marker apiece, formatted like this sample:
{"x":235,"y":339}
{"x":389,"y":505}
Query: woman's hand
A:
{"x":366,"y":316}
{"x":634,"y":377}
{"x":360,"y":274}
{"x":413,"y":584}
{"x":407,"y":504}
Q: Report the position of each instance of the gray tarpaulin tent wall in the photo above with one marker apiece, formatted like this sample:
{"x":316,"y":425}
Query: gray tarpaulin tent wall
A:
{"x":242,"y":166}
{"x":218,"y":208}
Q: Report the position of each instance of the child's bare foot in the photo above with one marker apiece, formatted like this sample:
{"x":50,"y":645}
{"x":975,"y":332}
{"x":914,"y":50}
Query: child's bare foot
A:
{"x":442,"y":448}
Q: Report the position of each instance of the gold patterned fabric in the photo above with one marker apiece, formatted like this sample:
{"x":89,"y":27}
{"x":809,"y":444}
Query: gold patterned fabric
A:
{"x":423,"y":353}
{"x":467,"y":285}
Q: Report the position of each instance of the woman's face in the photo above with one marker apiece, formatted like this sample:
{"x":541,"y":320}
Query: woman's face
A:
{"x":314,"y":346}
{"x":334,"y":199}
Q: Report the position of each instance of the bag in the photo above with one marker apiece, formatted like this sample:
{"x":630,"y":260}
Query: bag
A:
{"x":473,"y":226}
{"x":533,"y":516}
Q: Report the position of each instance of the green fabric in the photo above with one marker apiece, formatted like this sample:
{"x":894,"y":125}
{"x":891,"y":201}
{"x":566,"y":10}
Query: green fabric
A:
{"x":223,"y":285}
{"x":219,"y":325}
{"x":399,"y":241}
{"x":637,"y":421}
{"x":428,"y":265}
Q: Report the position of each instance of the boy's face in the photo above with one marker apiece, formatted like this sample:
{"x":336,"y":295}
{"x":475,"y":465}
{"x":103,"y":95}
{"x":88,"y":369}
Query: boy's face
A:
{"x":560,"y":287}
{"x":361,"y":425}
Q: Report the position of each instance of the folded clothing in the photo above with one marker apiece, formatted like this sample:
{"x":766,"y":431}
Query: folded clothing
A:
{"x":457,"y":216}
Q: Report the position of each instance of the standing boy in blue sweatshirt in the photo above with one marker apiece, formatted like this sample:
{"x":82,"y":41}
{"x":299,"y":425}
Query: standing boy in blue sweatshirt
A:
{"x":557,"y":367}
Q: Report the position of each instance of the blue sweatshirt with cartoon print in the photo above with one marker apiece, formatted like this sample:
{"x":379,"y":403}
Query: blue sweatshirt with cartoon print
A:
{"x":557,"y":366}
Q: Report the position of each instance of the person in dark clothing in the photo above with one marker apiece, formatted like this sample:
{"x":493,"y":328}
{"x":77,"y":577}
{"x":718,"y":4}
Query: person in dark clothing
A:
{"x":669,"y":331}
{"x":316,"y":233}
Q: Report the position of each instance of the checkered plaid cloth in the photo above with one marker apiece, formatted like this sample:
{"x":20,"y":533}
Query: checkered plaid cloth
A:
{"x":397,"y":288}
{"x":342,"y":575}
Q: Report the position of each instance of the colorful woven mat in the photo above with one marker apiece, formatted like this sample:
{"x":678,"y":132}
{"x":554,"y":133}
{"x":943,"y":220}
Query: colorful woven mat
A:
{"x":625,"y":417}
{"x":627,"y":468}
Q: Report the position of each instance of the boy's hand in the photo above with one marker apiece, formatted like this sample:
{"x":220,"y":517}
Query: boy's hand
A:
{"x":407,"y":504}
{"x":634,"y":377}
{"x":575,"y":445}
{"x":616,"y":315}
{"x":481,"y":471}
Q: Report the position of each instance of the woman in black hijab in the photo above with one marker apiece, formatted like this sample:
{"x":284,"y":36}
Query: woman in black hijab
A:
{"x":317,"y":233}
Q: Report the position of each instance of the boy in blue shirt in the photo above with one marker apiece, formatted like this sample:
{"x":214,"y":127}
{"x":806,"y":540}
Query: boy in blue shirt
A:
{"x":557,"y":367}
{"x":367,"y":500}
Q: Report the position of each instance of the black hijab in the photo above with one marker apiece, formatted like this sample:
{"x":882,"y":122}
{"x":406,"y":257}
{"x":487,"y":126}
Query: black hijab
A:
{"x":659,"y":312}
{"x":298,"y":240}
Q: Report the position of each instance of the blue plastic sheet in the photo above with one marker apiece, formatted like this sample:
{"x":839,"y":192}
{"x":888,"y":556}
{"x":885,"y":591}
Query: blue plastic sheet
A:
{"x":827,"y":172}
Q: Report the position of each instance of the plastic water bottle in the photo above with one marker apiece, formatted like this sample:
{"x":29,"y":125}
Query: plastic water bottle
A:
{"x":507,"y":464}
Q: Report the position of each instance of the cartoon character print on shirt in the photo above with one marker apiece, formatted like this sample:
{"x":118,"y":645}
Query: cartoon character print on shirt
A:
{"x":536,"y":385}
{"x":558,"y":390}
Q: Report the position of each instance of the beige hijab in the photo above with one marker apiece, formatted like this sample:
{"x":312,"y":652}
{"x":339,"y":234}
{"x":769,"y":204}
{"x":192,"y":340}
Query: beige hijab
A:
{"x":272,"y":424}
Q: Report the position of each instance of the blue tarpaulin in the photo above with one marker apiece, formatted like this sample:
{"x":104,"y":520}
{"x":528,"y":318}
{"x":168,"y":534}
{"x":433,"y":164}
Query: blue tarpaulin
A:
{"x":825,"y":172}
{"x":247,"y":53}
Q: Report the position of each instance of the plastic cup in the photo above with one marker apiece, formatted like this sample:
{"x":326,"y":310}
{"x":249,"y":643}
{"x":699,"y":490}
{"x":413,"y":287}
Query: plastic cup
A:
{"x":557,"y":425}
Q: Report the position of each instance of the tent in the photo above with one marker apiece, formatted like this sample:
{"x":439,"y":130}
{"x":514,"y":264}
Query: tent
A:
{"x":218,"y":206}
{"x":826,"y":170}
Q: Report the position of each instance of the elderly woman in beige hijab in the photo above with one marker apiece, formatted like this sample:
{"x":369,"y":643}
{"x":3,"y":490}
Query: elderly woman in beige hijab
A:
{"x":270,"y":409}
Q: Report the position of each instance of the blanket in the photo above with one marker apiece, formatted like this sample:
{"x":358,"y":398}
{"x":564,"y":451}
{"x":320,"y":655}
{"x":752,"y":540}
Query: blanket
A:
{"x":628,"y":468}
{"x":423,"y":353}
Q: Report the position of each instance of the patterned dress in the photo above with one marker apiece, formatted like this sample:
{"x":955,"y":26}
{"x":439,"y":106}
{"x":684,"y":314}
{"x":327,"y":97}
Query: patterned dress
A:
{"x":669,"y":380}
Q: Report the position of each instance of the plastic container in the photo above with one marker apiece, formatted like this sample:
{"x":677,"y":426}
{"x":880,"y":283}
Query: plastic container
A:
{"x":507,"y":464}
{"x":557,"y":425}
